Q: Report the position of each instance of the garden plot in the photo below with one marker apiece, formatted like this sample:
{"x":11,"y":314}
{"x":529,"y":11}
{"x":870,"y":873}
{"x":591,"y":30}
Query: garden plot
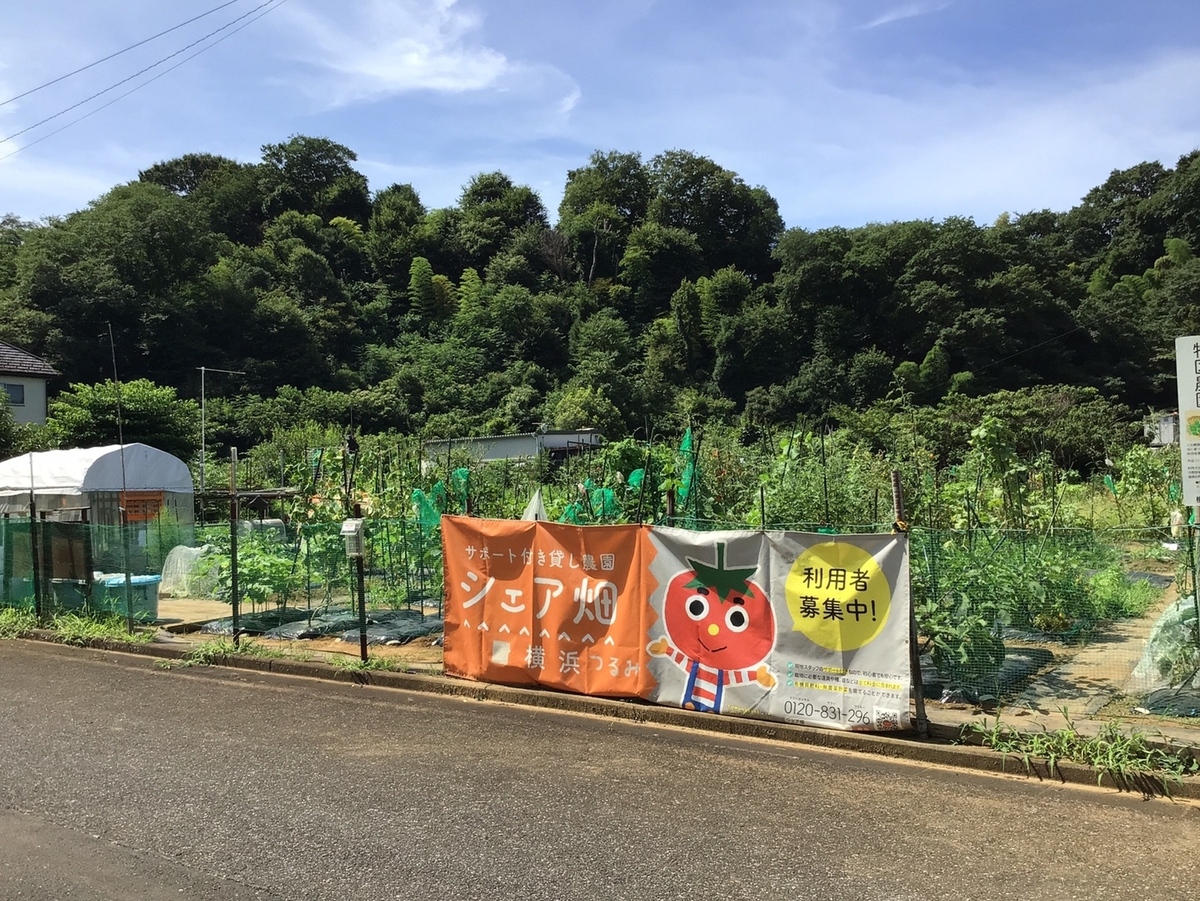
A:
{"x":410,"y":638}
{"x":1045,"y":671}
{"x":384,"y":627}
{"x":1088,"y":677}
{"x":1033,"y":619}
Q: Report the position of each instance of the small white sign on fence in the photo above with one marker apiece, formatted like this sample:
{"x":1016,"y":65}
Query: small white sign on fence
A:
{"x":1187,"y":369}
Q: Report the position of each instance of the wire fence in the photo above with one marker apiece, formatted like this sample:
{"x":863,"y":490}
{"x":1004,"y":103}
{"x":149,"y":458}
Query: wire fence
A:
{"x":1096,"y":621}
{"x":1103,"y":621}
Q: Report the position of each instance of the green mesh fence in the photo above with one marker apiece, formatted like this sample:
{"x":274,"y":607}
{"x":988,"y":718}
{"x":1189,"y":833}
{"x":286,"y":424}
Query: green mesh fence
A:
{"x":55,"y":567}
{"x":1100,"y":621}
{"x":16,"y":564}
{"x":1065,"y":618}
{"x":403,"y":565}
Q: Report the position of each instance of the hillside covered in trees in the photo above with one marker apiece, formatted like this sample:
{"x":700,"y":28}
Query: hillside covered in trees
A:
{"x":666,"y":291}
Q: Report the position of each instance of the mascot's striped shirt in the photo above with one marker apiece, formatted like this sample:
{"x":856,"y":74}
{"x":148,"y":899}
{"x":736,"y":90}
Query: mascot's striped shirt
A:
{"x":706,"y":684}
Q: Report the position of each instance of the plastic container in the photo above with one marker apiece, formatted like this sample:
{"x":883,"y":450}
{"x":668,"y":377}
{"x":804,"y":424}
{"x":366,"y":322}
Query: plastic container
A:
{"x":110,"y":596}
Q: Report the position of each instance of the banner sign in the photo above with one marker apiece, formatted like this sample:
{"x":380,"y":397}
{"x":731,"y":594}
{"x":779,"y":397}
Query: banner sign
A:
{"x":789,"y":626}
{"x":1187,"y":373}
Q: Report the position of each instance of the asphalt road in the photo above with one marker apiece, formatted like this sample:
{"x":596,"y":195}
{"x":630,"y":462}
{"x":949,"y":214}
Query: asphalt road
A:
{"x":123,"y":780}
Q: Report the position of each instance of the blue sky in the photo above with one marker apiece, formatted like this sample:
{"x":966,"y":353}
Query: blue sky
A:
{"x":847,"y":111}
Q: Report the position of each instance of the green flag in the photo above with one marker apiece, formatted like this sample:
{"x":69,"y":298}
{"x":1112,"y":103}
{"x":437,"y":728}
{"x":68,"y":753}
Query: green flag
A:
{"x":460,"y":484}
{"x":689,"y":468}
{"x":427,"y":515}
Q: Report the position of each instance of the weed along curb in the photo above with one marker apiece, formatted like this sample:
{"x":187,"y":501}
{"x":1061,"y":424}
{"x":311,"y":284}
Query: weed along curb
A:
{"x":941,"y":749}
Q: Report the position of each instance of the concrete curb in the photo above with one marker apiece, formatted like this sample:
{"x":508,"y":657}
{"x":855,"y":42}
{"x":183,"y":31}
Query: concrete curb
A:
{"x":939,"y":749}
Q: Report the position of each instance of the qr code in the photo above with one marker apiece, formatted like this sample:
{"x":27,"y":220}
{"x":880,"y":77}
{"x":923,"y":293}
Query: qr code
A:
{"x":887,"y":719}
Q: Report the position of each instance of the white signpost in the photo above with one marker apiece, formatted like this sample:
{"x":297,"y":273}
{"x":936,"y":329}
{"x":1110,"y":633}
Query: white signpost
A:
{"x":1187,"y":369}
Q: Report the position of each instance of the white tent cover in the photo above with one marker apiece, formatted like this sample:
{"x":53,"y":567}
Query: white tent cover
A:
{"x":86,"y":469}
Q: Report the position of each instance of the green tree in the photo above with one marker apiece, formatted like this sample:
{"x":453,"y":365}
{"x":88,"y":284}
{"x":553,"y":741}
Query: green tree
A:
{"x":184,"y":175}
{"x":130,"y":262}
{"x":582,"y":406}
{"x":604,"y":357}
{"x":10,"y":432}
{"x":687,"y":314}
{"x":525,"y":330}
{"x":734,"y":224}
{"x":869,"y":375}
{"x":657,"y":260}
{"x":618,"y":180}
{"x":602,"y":203}
{"x":1114,"y":226}
{"x":314,"y":175}
{"x":422,"y":299}
{"x":394,"y":233}
{"x":493,"y":209}
{"x":721,"y":297}
{"x":87,"y":416}
{"x":751,"y":349}
{"x":228,"y":195}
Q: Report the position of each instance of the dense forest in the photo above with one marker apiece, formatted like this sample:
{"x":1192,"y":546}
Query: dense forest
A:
{"x":666,"y":292}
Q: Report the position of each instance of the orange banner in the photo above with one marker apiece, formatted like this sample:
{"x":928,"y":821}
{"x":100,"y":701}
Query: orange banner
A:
{"x":536,"y":603}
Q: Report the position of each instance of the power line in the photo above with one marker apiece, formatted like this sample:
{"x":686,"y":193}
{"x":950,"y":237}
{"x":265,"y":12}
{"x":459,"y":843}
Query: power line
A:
{"x":1024,"y":350}
{"x":118,"y":53}
{"x":136,"y":88}
{"x":155,"y":65}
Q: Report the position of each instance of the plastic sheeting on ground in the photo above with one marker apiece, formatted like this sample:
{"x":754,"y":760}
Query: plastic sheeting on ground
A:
{"x":396,"y":632}
{"x":1170,"y":657}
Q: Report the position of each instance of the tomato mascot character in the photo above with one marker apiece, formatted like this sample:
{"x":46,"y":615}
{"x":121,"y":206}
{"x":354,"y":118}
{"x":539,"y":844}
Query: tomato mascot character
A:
{"x":720,"y":629}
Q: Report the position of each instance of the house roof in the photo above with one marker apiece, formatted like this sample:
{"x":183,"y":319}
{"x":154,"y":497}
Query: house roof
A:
{"x":14,"y":361}
{"x":501,"y":447}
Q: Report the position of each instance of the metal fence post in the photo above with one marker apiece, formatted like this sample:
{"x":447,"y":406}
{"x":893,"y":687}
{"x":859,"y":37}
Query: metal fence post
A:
{"x":234,"y":513}
{"x":914,"y":652}
{"x":362,"y":593}
{"x":34,"y":555}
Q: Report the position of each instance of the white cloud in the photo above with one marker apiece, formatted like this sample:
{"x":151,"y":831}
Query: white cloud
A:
{"x":841,"y":124}
{"x":908,"y":11}
{"x":966,"y":150}
{"x":30,"y":184}
{"x":570,"y":101}
{"x":931,"y":143}
{"x":388,"y":47}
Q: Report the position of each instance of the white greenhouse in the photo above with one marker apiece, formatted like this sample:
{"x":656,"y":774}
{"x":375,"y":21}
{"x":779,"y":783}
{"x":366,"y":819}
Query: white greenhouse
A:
{"x":82,"y":553}
{"x":88,"y":484}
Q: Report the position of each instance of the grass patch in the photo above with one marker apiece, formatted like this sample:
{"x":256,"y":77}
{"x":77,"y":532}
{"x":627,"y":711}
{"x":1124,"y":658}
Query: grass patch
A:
{"x":371,"y":664}
{"x":16,"y":623}
{"x":73,"y":629}
{"x":1117,"y":597}
{"x":219,"y":650}
{"x":1132,"y":759}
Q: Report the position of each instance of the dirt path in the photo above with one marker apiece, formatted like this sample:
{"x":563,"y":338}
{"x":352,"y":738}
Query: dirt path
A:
{"x":1095,"y":674}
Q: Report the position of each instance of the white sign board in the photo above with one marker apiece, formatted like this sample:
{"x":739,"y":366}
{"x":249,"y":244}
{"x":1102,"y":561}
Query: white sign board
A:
{"x":1187,"y":369}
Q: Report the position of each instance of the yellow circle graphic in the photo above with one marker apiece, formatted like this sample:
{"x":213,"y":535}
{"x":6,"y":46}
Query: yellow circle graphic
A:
{"x":838,"y":596}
